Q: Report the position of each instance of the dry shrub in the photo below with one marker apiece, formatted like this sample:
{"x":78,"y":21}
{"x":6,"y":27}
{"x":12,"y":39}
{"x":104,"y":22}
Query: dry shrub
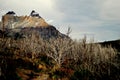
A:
{"x":94,"y":53}
{"x":59,"y":50}
{"x":88,"y":55}
{"x":31,"y":46}
{"x":84,"y":55}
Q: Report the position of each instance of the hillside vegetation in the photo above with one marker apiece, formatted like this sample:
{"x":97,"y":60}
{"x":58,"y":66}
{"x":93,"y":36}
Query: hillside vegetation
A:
{"x":114,"y":43}
{"x":33,"y":58}
{"x":31,"y":49}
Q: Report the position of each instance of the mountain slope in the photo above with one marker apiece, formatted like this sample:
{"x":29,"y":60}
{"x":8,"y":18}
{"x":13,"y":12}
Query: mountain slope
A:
{"x":115,"y":44}
{"x":23,"y":26}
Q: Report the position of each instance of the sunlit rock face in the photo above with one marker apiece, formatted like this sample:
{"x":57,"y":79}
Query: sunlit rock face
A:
{"x":23,"y":21}
{"x":23,"y":26}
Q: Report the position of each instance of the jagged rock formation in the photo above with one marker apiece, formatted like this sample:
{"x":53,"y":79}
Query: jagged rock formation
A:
{"x":35,"y":14}
{"x":10,"y":13}
{"x":11,"y":21}
{"x":22,"y":26}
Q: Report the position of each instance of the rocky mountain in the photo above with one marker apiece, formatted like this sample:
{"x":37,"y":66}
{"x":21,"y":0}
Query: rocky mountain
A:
{"x":23,"y":26}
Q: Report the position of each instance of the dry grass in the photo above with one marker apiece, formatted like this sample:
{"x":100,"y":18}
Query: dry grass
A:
{"x":61,"y":49}
{"x":64,"y":52}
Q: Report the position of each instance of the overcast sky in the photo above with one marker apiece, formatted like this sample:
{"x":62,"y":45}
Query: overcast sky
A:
{"x":94,"y":18}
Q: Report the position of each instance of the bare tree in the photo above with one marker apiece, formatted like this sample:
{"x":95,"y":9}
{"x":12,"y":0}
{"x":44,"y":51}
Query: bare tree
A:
{"x":69,"y":31}
{"x":59,"y":50}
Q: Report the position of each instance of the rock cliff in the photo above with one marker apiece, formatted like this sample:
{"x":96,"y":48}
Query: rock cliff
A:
{"x":23,"y":26}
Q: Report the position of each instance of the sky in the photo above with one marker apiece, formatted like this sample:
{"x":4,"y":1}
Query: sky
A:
{"x":98,"y":19}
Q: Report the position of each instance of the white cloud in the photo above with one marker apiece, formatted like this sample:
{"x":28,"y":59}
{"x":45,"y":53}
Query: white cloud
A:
{"x":110,"y":10}
{"x":50,"y":21}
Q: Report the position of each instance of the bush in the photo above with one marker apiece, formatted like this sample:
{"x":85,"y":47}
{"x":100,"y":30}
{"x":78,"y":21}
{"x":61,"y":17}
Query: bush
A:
{"x":86,"y":59}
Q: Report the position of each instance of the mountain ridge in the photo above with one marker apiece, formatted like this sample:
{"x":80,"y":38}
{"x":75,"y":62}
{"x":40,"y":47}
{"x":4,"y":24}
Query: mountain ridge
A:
{"x":12,"y":24}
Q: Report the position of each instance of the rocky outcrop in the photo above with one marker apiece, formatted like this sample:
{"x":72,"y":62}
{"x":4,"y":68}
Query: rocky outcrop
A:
{"x":34,"y":14}
{"x":10,"y":13}
{"x":11,"y":22}
{"x":23,"y":26}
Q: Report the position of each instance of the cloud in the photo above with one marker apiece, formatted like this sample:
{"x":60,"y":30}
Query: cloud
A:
{"x":50,"y":21}
{"x":110,"y":10}
{"x":91,"y":16}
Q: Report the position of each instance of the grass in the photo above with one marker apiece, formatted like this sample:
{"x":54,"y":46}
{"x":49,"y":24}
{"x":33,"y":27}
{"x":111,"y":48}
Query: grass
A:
{"x":62,"y":59}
